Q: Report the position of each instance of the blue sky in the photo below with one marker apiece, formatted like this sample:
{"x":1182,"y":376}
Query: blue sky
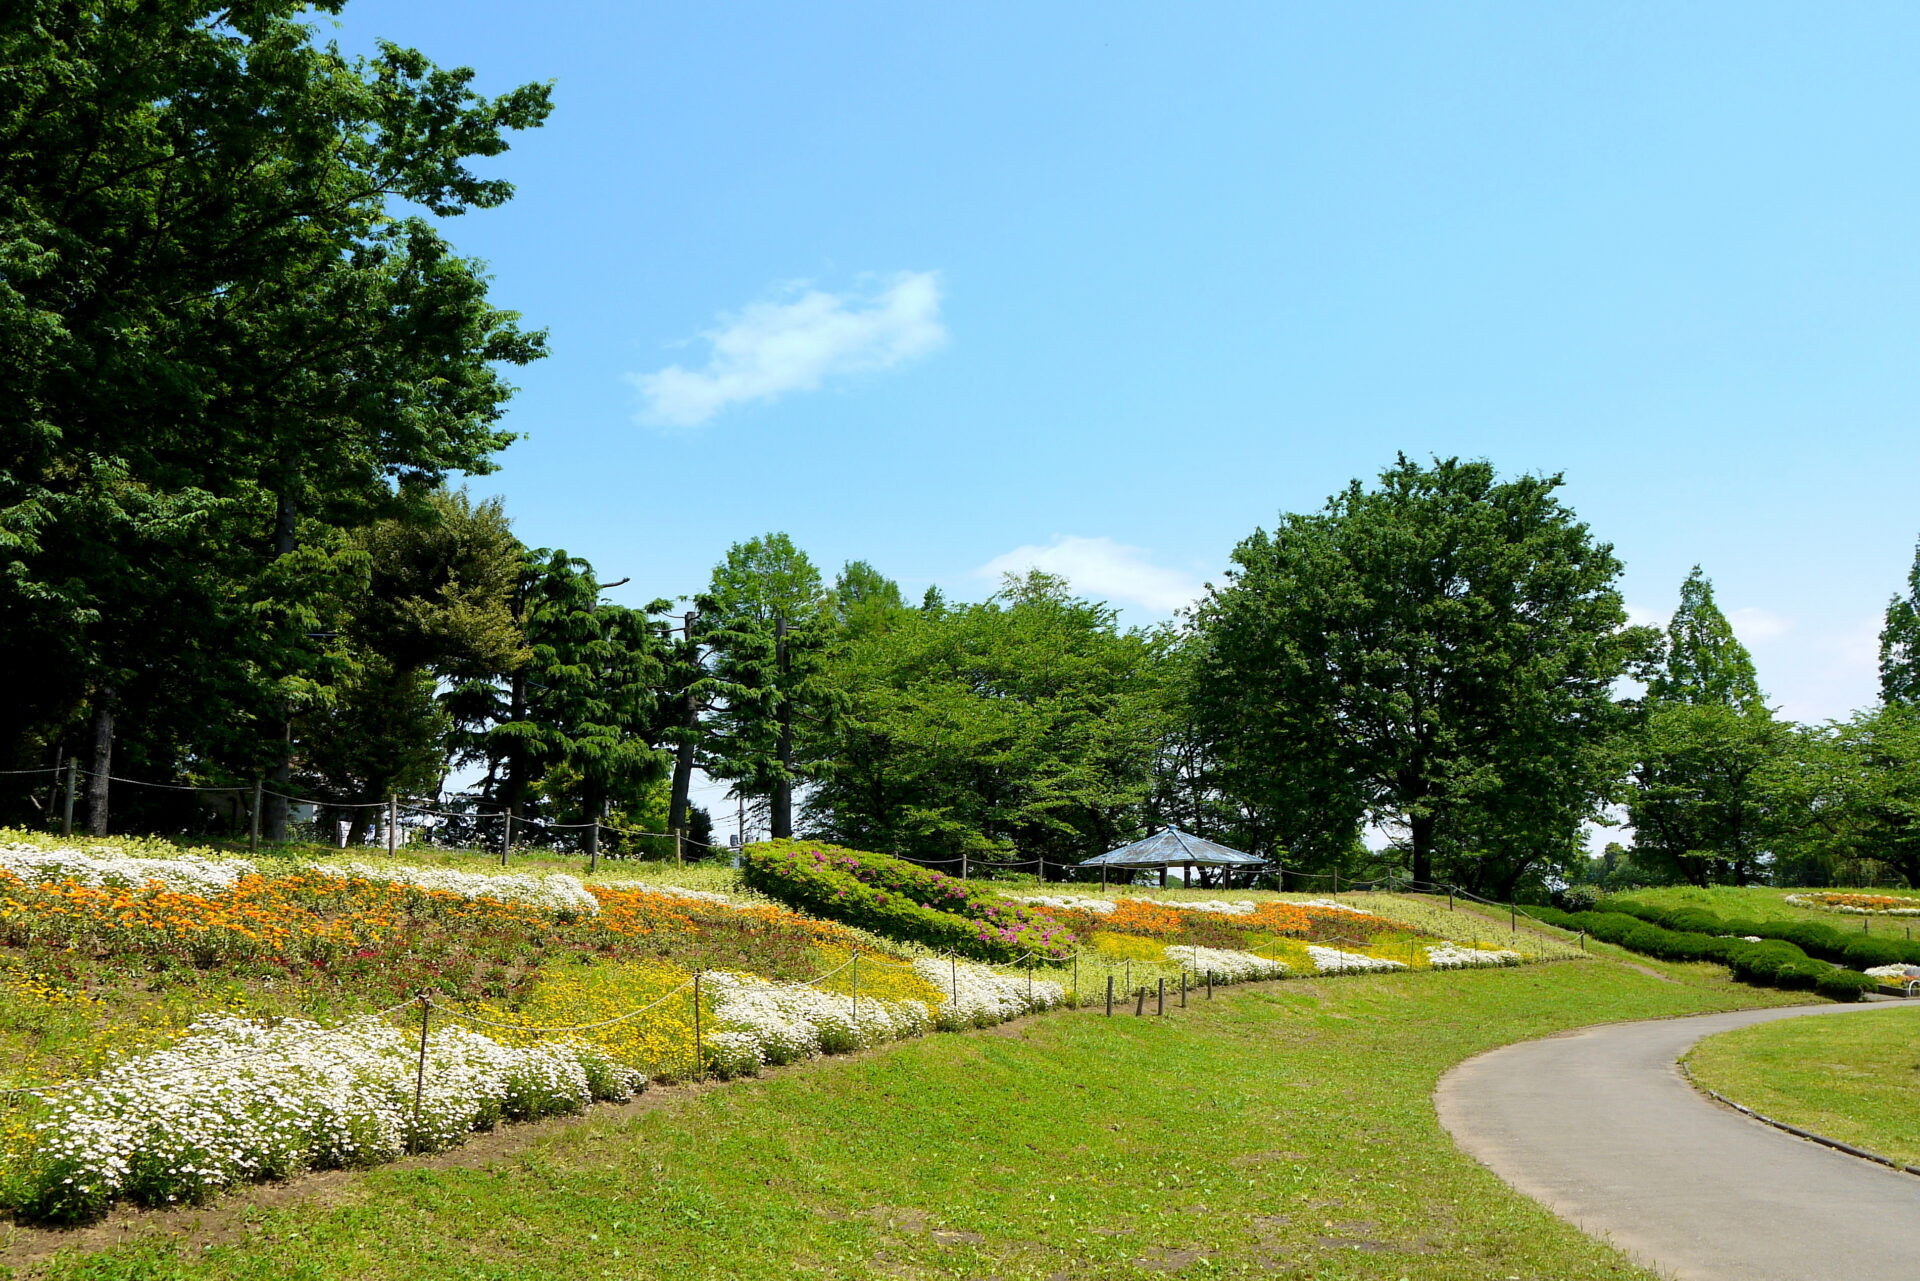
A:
{"x":1107,"y":286}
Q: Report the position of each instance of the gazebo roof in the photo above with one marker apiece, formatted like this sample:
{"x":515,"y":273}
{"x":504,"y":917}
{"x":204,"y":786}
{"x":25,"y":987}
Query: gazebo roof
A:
{"x":1174,"y":848}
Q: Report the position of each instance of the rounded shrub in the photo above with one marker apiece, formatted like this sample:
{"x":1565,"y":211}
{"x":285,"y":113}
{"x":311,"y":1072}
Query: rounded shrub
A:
{"x":1801,"y":976}
{"x":1865,"y":953}
{"x":1692,"y":920}
{"x":1845,"y":985}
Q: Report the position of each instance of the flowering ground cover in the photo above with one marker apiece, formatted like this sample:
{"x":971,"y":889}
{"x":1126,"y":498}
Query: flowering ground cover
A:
{"x":1284,"y":1132}
{"x":193,"y":1022}
{"x":1865,"y":904}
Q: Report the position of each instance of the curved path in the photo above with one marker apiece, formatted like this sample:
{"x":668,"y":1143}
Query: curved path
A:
{"x":1600,"y":1126}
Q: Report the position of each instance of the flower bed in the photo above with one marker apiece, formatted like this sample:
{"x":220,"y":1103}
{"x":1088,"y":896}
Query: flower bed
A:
{"x":1331,"y":960}
{"x":240,"y":1100}
{"x":901,"y":901}
{"x":1225,"y":965}
{"x":1451,"y":956}
{"x":1860,"y":904}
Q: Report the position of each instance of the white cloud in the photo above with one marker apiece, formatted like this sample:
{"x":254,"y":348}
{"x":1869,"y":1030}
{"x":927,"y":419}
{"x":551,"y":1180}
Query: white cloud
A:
{"x":772,"y":347}
{"x":1641,"y":616}
{"x":1102,"y":569}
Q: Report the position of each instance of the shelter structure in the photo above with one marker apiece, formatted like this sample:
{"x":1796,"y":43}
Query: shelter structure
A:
{"x":1171,"y":847}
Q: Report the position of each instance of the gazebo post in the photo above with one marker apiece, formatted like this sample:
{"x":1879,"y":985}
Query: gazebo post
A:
{"x":1163,"y":876}
{"x":1103,"y":876}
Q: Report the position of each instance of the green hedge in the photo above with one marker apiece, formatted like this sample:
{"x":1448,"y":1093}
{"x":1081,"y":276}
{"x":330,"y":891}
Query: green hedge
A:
{"x":1856,"y":951}
{"x":900,"y":900}
{"x":1769,"y":963}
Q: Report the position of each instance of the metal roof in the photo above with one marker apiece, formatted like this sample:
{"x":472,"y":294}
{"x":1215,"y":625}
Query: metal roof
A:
{"x":1174,"y":848}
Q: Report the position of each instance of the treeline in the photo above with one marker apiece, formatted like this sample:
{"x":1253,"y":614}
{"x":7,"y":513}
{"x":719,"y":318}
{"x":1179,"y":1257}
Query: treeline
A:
{"x":243,"y":372}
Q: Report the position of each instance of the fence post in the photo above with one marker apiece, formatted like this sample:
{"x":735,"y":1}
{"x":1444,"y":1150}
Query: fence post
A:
{"x":1583,"y":939}
{"x":1029,"y":981}
{"x":1140,"y":1001}
{"x":1450,"y":906}
{"x":506,"y":839}
{"x":593,"y":848}
{"x":677,"y":862}
{"x":393,"y":824}
{"x":420,"y":1069}
{"x":1336,"y":880}
{"x":1209,"y":985}
{"x":1076,"y":978}
{"x":1183,"y":989}
{"x":698,"y":1067}
{"x":1160,"y":1001}
{"x":1513,"y":918}
{"x":253,"y":828}
{"x":954,"y":961}
{"x":73,"y":782}
{"x":1109,"y":996}
{"x":963,"y":865}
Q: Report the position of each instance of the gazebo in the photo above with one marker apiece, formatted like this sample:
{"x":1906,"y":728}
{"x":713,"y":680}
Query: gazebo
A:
{"x":1172,"y":847}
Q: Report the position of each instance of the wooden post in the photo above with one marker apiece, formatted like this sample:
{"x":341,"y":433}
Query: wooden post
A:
{"x":856,"y":998}
{"x":1183,"y":989}
{"x":1160,"y":1003}
{"x":1109,"y":996}
{"x":393,"y":824}
{"x":1450,"y":906}
{"x":1140,"y":1001}
{"x":1103,"y":876}
{"x":1076,"y":978}
{"x":420,"y":1069}
{"x":73,"y":786}
{"x":1029,"y":980}
{"x":697,"y":1066}
{"x":1209,"y":985}
{"x":1336,"y":880}
{"x":253,"y":829}
{"x":1513,"y":918}
{"x":593,"y":848}
{"x":1583,"y":940}
{"x":506,"y":839}
{"x":963,"y":865}
{"x":678,"y":861}
{"x":955,"y":963}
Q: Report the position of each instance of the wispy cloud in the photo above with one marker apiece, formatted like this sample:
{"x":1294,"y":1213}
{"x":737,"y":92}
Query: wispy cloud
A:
{"x":1103,"y":569}
{"x":797,"y":342}
{"x":1751,"y":623}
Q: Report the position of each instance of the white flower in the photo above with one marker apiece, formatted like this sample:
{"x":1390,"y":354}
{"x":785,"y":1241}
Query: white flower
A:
{"x":555,"y":891}
{"x":240,"y":1099}
{"x":1331,"y":960}
{"x":1451,"y":956}
{"x":1226,"y":966}
{"x":106,"y":865}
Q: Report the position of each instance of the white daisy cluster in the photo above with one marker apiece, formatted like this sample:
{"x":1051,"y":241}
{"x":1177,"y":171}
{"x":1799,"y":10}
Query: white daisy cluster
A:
{"x":763,"y":1021}
{"x":104,"y":865}
{"x":1338,"y":907}
{"x":1331,"y":960}
{"x":240,"y":1099}
{"x":1225,"y":965}
{"x":1221,"y":907}
{"x":767,"y":1022}
{"x":1451,"y":956}
{"x":976,"y":996}
{"x":555,"y":891}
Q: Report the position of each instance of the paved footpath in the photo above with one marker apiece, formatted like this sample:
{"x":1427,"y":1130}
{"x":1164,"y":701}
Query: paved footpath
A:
{"x":1601,"y":1127}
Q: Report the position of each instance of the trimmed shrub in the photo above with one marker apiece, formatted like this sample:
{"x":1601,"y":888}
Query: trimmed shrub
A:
{"x":900,"y":900}
{"x":1845,"y":985}
{"x":1801,"y":976}
{"x":1865,"y":953}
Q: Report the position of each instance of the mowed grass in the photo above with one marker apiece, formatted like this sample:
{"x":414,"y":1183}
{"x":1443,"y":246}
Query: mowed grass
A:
{"x":1282,"y":1131}
{"x":1855,"y":1079}
{"x":1766,"y":903}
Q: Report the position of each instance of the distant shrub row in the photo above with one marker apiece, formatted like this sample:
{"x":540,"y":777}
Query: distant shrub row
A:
{"x":1772,"y":962}
{"x":1858,"y":951}
{"x":900,"y":900}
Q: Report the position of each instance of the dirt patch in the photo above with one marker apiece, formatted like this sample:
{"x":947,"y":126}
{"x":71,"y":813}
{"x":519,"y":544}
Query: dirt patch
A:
{"x":1163,"y":1260}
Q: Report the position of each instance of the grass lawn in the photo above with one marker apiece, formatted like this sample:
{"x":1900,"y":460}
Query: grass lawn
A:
{"x":1284,"y":1131}
{"x":1766,"y":903}
{"x":1856,"y":1079}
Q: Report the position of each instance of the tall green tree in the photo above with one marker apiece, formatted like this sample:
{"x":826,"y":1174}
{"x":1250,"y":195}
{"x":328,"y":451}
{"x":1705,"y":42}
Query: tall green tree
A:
{"x":1706,"y":665}
{"x":1702,"y":802}
{"x":1427,"y":653}
{"x":225,"y":342}
{"x":1900,"y":644}
{"x":767,"y":619}
{"x":1023,"y":727}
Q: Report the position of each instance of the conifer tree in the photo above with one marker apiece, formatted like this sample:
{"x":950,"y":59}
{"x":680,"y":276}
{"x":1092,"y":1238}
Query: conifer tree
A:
{"x":1900,"y":644}
{"x":1706,"y":663}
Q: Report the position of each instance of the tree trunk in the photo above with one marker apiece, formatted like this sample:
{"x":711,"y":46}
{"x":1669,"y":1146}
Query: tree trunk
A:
{"x":102,"y":761}
{"x":683,"y":764}
{"x":783,"y":785}
{"x":1421,"y":830}
{"x":274,"y":808}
